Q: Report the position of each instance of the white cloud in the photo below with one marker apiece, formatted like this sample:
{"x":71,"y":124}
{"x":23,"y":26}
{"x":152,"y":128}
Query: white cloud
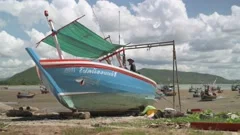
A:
{"x":10,"y":46}
{"x":28,"y":12}
{"x":11,"y":63}
{"x":43,"y":50}
{"x":11,"y":6}
{"x":13,"y":57}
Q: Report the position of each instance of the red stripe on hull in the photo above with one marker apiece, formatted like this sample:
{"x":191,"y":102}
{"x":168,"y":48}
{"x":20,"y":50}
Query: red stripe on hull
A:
{"x":63,"y":60}
{"x":102,"y":67}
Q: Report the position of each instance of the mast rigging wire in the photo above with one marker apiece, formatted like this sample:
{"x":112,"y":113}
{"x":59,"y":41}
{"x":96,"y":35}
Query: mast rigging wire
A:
{"x":98,"y":23}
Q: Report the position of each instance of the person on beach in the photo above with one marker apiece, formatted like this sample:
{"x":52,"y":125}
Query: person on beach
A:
{"x":207,"y":90}
{"x":151,"y":111}
{"x":132,"y":65}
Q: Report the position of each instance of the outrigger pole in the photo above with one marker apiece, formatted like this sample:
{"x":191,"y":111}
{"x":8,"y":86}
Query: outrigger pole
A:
{"x":54,"y":35}
{"x":175,"y":70}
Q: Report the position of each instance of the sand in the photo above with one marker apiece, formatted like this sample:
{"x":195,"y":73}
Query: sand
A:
{"x":226,"y":101}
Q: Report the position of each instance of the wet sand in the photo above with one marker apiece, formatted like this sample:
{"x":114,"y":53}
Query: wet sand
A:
{"x":226,"y":101}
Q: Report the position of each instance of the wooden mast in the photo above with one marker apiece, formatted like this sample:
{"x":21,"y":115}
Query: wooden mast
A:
{"x":54,"y":35}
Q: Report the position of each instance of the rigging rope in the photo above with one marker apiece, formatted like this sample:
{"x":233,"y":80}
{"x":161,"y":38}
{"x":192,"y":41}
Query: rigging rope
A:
{"x":98,"y":23}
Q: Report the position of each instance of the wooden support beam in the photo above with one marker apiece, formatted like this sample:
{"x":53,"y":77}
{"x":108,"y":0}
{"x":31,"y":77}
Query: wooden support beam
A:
{"x":111,"y":55}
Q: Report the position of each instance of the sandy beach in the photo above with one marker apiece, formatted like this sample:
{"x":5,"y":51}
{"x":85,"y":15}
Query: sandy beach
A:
{"x":226,"y":101}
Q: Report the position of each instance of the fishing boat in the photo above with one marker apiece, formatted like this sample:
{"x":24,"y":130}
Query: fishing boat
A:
{"x":167,"y":90}
{"x":191,"y":89}
{"x":196,"y":94}
{"x":235,"y":87}
{"x":87,"y":84}
{"x":206,"y":95}
{"x":43,"y":89}
{"x":25,"y":95}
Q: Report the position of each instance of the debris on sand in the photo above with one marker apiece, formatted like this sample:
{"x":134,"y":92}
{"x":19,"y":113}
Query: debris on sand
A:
{"x":18,"y":113}
{"x":25,"y":111}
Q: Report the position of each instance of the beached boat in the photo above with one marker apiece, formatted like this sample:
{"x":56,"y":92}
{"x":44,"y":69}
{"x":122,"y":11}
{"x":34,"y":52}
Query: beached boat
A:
{"x":191,"y":89}
{"x":87,"y":84}
{"x":167,"y":90}
{"x":43,"y":89}
{"x":235,"y":87}
{"x":25,"y":95}
{"x":196,"y":94}
{"x":208,"y":97}
{"x":219,"y":91}
{"x":194,"y":89}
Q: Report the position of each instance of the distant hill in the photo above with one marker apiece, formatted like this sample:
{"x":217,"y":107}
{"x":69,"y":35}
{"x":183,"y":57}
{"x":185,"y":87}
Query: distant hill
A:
{"x":29,"y":77}
{"x":165,"y":76}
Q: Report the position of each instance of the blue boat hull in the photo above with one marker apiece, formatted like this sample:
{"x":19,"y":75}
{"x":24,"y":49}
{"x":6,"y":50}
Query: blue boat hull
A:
{"x":84,"y":90}
{"x":95,"y":87}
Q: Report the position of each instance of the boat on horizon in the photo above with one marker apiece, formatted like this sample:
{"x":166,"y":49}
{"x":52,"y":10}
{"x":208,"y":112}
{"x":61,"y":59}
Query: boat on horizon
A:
{"x":87,"y":84}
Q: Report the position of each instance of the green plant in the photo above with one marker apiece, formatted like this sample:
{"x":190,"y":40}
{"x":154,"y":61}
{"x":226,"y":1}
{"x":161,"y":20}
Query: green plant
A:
{"x":2,"y":125}
{"x":133,"y":132}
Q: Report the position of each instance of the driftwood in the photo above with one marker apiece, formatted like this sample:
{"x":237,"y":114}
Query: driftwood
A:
{"x":19,"y":113}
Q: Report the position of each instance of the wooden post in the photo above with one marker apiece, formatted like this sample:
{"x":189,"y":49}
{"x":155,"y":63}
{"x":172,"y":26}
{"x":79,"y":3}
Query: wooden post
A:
{"x":173,"y":80}
{"x":54,"y":35}
{"x":124,"y":58}
{"x":168,"y":43}
{"x":119,"y":59}
{"x":179,"y":97}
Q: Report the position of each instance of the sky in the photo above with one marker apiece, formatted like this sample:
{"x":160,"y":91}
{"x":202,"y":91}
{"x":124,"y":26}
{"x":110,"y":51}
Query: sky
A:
{"x":206,"y":32}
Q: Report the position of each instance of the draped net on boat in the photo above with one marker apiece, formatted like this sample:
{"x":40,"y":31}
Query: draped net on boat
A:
{"x":78,"y":40}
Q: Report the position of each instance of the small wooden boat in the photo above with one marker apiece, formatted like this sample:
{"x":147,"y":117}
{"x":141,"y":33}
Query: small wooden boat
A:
{"x":196,"y":94}
{"x":220,"y":91}
{"x":43,"y":89}
{"x":24,"y":95}
{"x":168,"y":90}
{"x":191,"y":89}
{"x":235,"y":87}
{"x":208,"y":97}
{"x":169,"y":93}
